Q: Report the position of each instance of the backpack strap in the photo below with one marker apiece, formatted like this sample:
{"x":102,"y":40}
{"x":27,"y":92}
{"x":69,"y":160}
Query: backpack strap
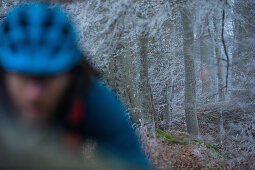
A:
{"x":76,"y":117}
{"x":73,"y":134}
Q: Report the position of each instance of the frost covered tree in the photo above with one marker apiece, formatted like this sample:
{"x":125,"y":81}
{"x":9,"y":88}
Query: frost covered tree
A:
{"x":190,"y":80}
{"x":243,"y":62}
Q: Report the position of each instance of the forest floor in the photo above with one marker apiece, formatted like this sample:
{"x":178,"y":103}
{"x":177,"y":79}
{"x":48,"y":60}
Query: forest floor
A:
{"x":178,"y":150}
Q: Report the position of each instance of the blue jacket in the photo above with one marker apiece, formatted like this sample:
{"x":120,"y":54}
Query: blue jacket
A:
{"x":106,"y":121}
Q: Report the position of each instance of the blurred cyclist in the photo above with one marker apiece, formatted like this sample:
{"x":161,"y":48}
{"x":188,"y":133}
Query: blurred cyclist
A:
{"x":46,"y":83}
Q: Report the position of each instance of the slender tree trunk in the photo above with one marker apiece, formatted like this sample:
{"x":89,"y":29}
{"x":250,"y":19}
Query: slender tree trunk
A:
{"x":148,"y":112}
{"x":217,"y":28}
{"x":221,"y":97}
{"x":205,"y":54}
{"x":190,"y":79}
{"x":169,"y":112}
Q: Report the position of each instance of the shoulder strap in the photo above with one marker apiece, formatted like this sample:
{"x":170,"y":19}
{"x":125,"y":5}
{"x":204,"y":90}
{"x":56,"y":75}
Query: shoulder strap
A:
{"x":77,"y":113}
{"x":73,"y":135}
{"x":76,"y":116}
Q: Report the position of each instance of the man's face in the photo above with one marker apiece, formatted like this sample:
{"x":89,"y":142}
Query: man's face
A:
{"x":36,"y":97}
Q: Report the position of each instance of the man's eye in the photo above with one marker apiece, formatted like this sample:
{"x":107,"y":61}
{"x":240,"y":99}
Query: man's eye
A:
{"x":24,"y":77}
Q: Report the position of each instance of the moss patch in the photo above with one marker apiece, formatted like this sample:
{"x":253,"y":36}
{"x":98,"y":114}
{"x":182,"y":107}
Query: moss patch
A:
{"x":185,"y":140}
{"x":171,"y":139}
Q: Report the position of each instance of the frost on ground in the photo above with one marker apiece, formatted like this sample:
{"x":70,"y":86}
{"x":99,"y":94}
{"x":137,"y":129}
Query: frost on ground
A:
{"x":178,"y":150}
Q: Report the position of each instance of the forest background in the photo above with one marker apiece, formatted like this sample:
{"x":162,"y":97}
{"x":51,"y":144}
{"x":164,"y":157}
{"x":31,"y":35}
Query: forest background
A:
{"x":185,"y":69}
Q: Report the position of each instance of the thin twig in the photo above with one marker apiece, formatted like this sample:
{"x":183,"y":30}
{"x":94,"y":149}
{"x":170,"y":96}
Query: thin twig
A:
{"x":224,"y":45}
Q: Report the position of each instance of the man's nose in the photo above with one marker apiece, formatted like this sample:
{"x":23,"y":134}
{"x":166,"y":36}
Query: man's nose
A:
{"x":34,"y":90}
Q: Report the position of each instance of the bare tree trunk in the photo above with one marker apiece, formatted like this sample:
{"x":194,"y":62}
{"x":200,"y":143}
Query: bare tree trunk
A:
{"x":121,"y":75}
{"x":169,"y":113}
{"x":221,"y":97}
{"x":217,"y":28}
{"x":131,"y":94}
{"x":207,"y":73}
{"x":190,"y":79}
{"x":206,"y":55}
{"x":148,"y":112}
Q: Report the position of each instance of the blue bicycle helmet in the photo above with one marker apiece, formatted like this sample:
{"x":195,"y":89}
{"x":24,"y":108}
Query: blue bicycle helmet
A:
{"x":37,"y":39}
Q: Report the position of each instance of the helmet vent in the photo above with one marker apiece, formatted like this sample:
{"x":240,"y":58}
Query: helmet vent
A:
{"x":65,"y":30}
{"x":26,"y":41}
{"x":13,"y":47}
{"x":23,"y":20}
{"x":48,"y":21}
{"x":42,"y":41}
{"x":56,"y":50}
{"x":6,"y":28}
